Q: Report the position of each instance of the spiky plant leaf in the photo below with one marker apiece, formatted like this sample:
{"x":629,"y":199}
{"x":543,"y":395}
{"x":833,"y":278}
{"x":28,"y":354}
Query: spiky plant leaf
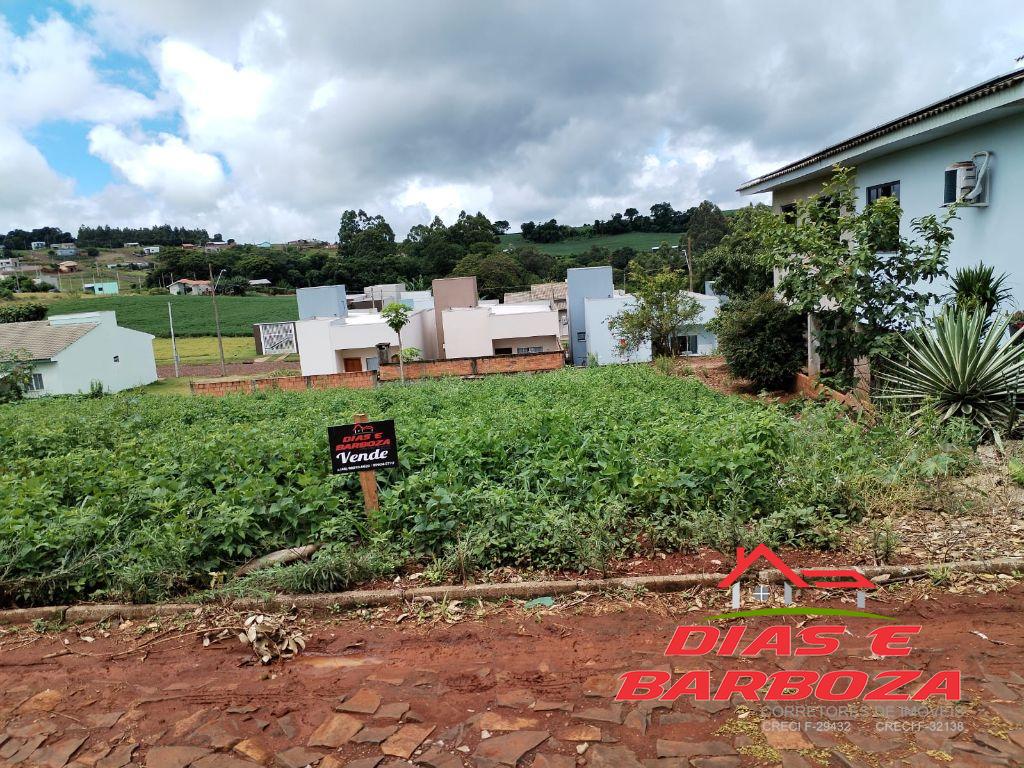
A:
{"x":960,"y":368}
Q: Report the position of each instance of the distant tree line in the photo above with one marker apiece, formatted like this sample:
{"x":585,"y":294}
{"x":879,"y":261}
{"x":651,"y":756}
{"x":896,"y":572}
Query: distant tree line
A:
{"x":663,"y":218}
{"x":105,"y":237}
{"x":116,"y":237}
{"x":369,"y":253}
{"x":21,"y":239}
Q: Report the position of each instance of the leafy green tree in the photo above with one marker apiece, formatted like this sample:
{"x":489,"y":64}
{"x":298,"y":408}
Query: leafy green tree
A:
{"x":397,"y":317}
{"x":363,"y":236}
{"x":662,"y":312}
{"x":739,"y":264}
{"x":833,"y":269}
{"x":468,"y":230}
{"x":496,"y":273}
{"x":707,"y":227}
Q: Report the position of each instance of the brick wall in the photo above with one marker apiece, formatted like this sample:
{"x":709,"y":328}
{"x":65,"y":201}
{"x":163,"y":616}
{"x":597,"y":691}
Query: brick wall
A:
{"x":364,"y":380}
{"x":429,"y":369}
{"x":540,"y":361}
{"x":474,"y":366}
{"x":232,"y":369}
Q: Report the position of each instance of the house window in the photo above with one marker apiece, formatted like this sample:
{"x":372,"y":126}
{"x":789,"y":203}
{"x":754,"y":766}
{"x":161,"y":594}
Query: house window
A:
{"x":581,"y":336}
{"x":788,"y":213}
{"x":503,"y":350}
{"x":35,"y":383}
{"x":117,"y":358}
{"x":528,"y":350}
{"x":888,"y":238}
{"x":889,"y":189}
{"x":687,"y":344}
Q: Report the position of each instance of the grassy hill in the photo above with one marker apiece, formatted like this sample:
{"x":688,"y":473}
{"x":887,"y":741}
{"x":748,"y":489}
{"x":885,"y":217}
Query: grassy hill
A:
{"x":640,"y":241}
{"x":193,"y":315}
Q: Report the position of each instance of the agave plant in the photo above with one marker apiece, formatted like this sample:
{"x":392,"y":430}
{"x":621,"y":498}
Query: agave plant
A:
{"x":961,"y":370}
{"x":978,"y":287}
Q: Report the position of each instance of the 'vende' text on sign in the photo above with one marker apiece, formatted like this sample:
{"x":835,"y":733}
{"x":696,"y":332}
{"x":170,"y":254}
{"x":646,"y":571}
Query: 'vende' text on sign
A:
{"x":359,"y":447}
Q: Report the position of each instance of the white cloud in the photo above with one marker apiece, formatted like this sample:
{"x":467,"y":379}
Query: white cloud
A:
{"x":291,"y":112}
{"x":49,"y":75}
{"x":444,"y":200}
{"x":167,"y":166}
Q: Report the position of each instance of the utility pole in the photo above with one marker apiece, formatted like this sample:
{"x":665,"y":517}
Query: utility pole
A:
{"x":216,"y":318}
{"x":174,"y":345}
{"x":689,"y":266}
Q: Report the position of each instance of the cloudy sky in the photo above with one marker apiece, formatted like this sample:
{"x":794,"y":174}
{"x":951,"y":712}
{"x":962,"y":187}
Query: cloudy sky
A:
{"x":264,"y":119}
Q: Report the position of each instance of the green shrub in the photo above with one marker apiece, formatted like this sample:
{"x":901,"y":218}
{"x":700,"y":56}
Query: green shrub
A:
{"x":761,"y":339}
{"x":20,"y":313}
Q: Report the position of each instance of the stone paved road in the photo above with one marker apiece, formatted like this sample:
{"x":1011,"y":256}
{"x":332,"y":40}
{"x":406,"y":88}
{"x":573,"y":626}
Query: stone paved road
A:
{"x":509,"y":688}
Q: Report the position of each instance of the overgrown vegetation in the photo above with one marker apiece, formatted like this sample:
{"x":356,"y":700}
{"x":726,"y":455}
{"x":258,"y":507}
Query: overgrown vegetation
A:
{"x":140,"y":497}
{"x":761,"y":339}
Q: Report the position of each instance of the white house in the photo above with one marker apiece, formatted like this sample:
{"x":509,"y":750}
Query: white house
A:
{"x":150,"y":250}
{"x":602,"y":344}
{"x":348,"y":343}
{"x":10,"y":263}
{"x":38,"y":245}
{"x":501,"y":329}
{"x":186,"y":287}
{"x":70,"y":352}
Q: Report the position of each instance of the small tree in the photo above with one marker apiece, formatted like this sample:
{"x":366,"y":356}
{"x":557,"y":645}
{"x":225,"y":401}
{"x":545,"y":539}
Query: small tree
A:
{"x":662,"y":310}
{"x":854,"y":271}
{"x":15,"y":374}
{"x":397,"y":317}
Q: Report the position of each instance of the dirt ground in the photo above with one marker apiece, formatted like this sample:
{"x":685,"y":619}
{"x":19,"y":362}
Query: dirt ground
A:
{"x":447,"y":685}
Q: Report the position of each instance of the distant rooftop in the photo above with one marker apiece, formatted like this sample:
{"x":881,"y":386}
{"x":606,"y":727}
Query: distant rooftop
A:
{"x":39,"y":339}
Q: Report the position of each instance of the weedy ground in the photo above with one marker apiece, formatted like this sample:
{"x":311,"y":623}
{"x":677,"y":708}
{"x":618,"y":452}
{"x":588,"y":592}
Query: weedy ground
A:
{"x":142,"y":497}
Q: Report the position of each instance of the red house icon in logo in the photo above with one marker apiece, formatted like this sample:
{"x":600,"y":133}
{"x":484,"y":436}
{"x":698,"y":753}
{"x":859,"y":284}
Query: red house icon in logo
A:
{"x":817,"y":578}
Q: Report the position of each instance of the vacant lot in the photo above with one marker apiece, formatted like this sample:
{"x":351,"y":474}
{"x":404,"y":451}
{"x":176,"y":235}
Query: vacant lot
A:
{"x":193,"y":315}
{"x":640,"y":241}
{"x":203,"y":349}
{"x":140,"y":496}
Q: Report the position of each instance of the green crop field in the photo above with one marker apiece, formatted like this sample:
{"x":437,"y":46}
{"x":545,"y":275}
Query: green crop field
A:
{"x":142,"y":496}
{"x":193,"y":315}
{"x":639,"y":241}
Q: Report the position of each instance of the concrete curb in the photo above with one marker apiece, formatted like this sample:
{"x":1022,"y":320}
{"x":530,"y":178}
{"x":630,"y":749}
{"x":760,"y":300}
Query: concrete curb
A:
{"x":372,"y":598}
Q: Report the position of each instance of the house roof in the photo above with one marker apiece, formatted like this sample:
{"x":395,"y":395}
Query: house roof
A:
{"x":187,"y":281}
{"x":538,"y":292}
{"x":886,"y":131}
{"x":39,"y":339}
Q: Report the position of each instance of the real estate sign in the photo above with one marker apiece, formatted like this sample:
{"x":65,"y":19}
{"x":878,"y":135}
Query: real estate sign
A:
{"x":363,"y":446}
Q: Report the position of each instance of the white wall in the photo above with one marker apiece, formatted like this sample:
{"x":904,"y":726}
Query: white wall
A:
{"x":467,"y":332}
{"x":323,"y":342}
{"x":600,"y":340}
{"x":91,"y":358}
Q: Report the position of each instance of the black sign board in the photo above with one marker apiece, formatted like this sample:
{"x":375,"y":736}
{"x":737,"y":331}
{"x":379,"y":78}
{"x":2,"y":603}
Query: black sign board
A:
{"x":359,"y":447}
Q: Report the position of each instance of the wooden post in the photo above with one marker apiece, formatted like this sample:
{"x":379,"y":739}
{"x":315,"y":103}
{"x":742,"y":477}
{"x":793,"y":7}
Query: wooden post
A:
{"x":367,"y":477}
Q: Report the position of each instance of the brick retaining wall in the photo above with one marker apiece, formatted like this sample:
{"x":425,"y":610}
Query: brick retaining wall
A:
{"x":232,"y":369}
{"x":430,"y":369}
{"x":363,"y":380}
{"x":474,"y":366}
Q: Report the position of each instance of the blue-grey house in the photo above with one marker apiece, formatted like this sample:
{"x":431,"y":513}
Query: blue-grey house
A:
{"x":968,"y":147}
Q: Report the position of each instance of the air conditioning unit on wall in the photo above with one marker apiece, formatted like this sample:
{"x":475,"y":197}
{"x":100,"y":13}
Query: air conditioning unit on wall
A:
{"x":966,"y":182}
